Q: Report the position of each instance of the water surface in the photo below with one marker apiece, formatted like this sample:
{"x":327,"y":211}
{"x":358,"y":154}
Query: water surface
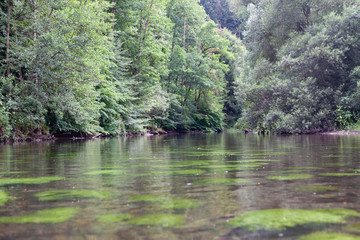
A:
{"x":182,"y":187}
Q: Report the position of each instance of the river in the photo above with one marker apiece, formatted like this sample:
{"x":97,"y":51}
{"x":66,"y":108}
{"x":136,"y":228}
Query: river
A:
{"x":193,"y":186}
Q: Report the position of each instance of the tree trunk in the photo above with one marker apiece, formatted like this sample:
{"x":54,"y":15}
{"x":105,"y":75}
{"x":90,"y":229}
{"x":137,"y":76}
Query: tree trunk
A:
{"x":183,"y":67}
{"x":113,"y":15}
{"x":8,"y":38}
{"x":36,"y":78}
{"x":143,"y":37}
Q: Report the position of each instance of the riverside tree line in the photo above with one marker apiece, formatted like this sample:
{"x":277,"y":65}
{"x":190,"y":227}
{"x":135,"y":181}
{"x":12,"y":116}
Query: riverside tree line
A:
{"x":122,"y":66}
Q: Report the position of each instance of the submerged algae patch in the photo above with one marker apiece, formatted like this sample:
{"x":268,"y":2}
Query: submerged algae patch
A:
{"x":352,"y":228}
{"x":105,"y":172}
{"x":315,"y":188}
{"x":280,"y":219}
{"x":163,"y":220}
{"x":38,"y":180}
{"x":13,"y":172}
{"x":166,"y":202}
{"x":223,"y":181}
{"x":66,"y":194}
{"x":290,"y":177}
{"x":340,"y":174}
{"x":330,"y":236}
{"x":114,"y":218}
{"x":4,"y":197}
{"x":55,"y":215}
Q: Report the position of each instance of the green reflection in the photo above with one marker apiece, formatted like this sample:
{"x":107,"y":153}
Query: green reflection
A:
{"x":76,"y":193}
{"x":222,"y":181}
{"x":280,"y":219}
{"x":38,"y":180}
{"x":163,"y":220}
{"x":290,"y":177}
{"x":329,"y":236}
{"x":113,"y":218}
{"x":4,"y":197}
{"x":315,"y":188}
{"x":55,"y":215}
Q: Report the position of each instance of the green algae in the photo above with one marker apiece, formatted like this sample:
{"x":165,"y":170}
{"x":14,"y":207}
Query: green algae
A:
{"x":114,"y":218}
{"x":329,"y":236}
{"x":187,"y":172}
{"x":340,"y":174}
{"x":334,"y":164}
{"x":38,"y":180}
{"x":55,"y":215}
{"x":4,"y":197}
{"x":70,"y":194}
{"x":352,"y":228}
{"x":304,"y":168}
{"x":290,"y":177}
{"x":162,"y":220}
{"x":165,"y":202}
{"x":235,"y":167}
{"x":281,"y":219}
{"x":335,"y":156}
{"x":105,"y":172}
{"x":13,"y":172}
{"x":316,"y":188}
{"x":174,"y":172}
{"x":327,"y":195}
{"x":223,"y":181}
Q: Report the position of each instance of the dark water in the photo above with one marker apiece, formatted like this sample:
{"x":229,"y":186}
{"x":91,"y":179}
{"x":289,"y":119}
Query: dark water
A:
{"x":177,"y":187}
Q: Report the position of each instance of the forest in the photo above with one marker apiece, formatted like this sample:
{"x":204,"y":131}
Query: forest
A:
{"x":101,"y":67}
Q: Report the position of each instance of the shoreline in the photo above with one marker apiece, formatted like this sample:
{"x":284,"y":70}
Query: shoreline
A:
{"x":66,"y":137}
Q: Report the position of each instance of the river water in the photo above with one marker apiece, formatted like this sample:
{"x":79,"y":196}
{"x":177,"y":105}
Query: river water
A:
{"x":205,"y":186}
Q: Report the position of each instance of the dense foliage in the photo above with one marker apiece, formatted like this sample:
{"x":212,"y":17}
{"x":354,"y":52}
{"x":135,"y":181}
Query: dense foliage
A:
{"x":111,"y":67}
{"x":301,"y":69}
{"x":119,"y":66}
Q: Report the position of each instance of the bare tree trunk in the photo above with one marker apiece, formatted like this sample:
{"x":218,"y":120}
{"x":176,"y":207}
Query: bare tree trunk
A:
{"x":8,"y":38}
{"x":35,"y":34}
{"x":143,"y":37}
{"x":184,"y":48}
{"x":113,"y":13}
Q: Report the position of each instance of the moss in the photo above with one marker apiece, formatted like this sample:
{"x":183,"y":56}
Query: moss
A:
{"x":352,"y":228}
{"x":114,"y":218}
{"x":280,"y":219}
{"x":163,"y":220}
{"x":223,"y":181}
{"x":38,"y":180}
{"x":340,"y":174}
{"x":4,"y":197}
{"x":55,"y":215}
{"x":315,"y":188}
{"x":76,"y":193}
{"x":167,"y":203}
{"x":329,"y":236}
{"x":290,"y":177}
{"x":105,"y":172}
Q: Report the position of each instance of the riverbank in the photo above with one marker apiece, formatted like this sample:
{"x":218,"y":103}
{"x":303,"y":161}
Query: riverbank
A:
{"x":343,"y":132}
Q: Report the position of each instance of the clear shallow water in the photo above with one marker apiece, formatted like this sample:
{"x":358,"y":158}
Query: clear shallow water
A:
{"x":177,"y":187}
